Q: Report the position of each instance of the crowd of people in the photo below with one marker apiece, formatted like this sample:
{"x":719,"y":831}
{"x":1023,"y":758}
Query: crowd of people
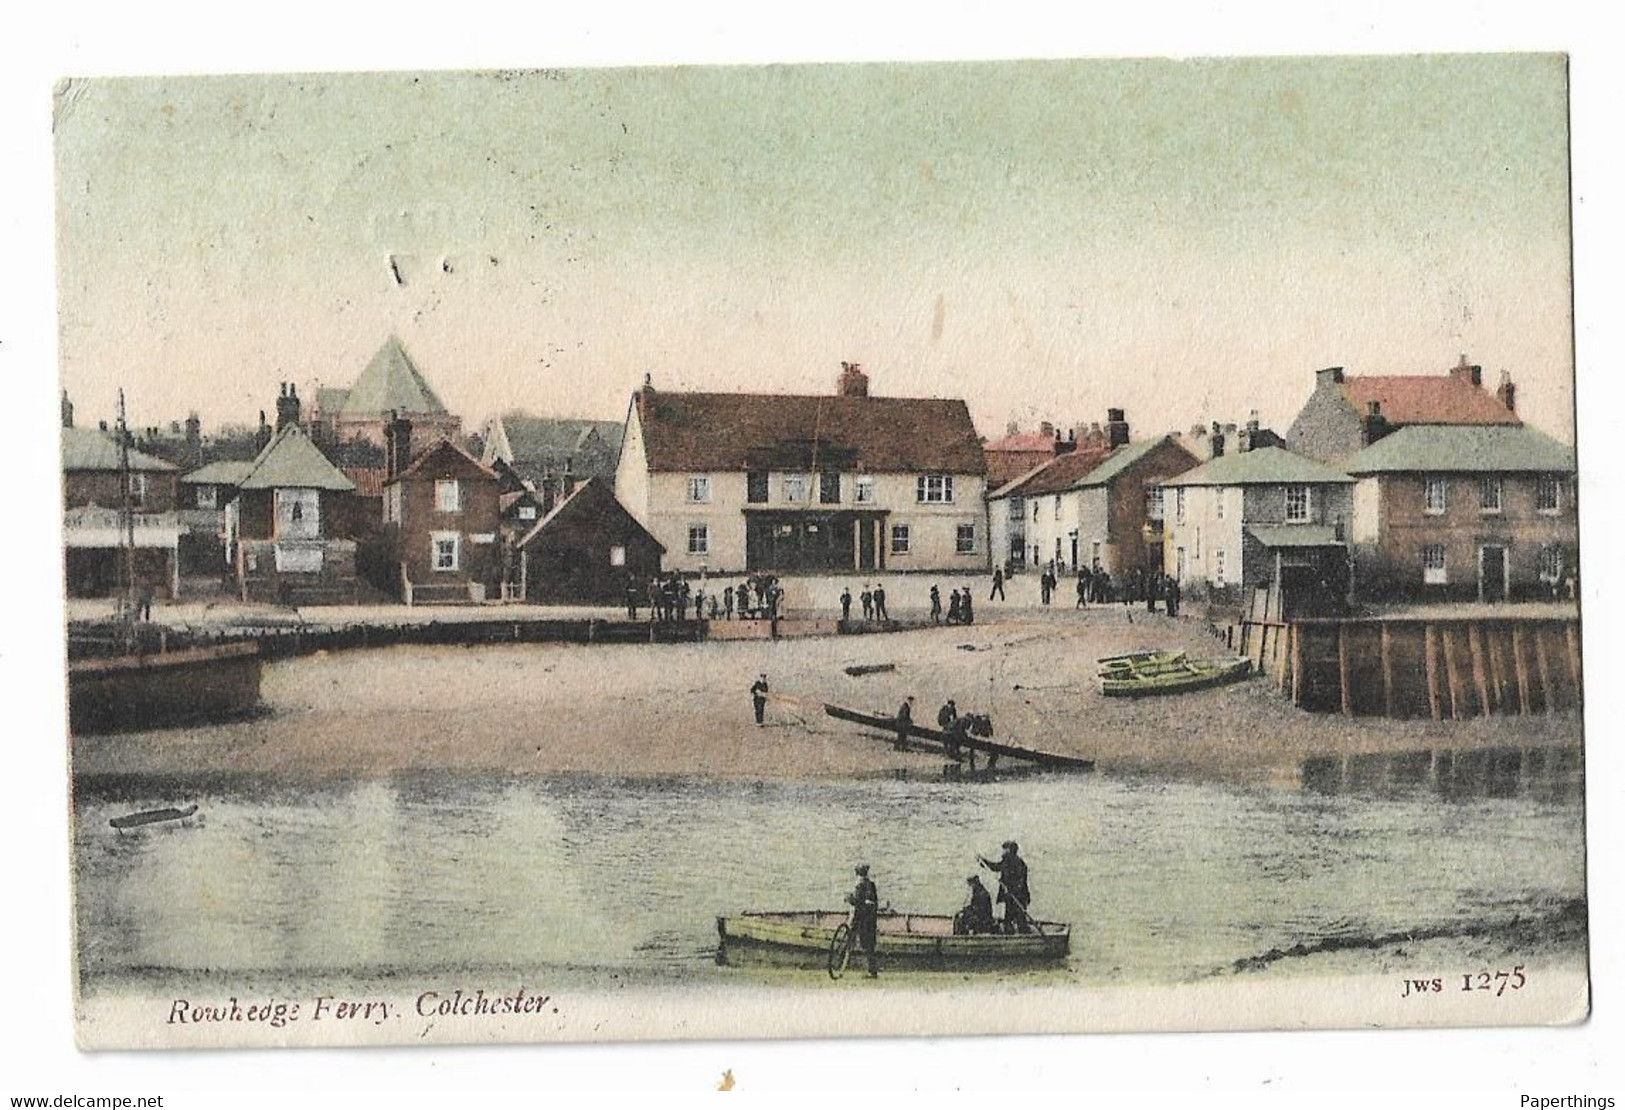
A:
{"x":673,"y":598}
{"x":1095,"y":586}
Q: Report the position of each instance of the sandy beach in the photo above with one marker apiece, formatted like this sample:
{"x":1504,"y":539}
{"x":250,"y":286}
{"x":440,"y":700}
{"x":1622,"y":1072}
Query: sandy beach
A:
{"x":684,"y":709}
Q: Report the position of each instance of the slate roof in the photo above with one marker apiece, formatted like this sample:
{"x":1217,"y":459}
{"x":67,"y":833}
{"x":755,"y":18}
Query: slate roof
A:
{"x":1126,"y":456}
{"x":226,"y":472}
{"x":292,"y":461}
{"x":94,"y":449}
{"x":1427,"y":399}
{"x":1263,"y":466}
{"x":391,"y":383}
{"x":1294,"y":535}
{"x":1463,"y":448}
{"x":533,"y":445}
{"x":1063,"y":472}
{"x":757,"y":431}
{"x":595,"y":497}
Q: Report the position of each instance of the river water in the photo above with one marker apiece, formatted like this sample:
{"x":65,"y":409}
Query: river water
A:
{"x":1164,"y":881}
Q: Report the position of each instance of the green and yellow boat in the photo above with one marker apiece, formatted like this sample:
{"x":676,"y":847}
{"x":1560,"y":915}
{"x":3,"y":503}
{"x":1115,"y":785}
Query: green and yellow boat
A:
{"x":1148,"y":673}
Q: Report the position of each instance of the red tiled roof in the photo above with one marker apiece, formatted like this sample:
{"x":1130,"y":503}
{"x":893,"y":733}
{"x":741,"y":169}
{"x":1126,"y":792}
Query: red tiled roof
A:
{"x":1058,"y":474}
{"x":369,"y":480}
{"x":1427,"y":399}
{"x":754,"y":431}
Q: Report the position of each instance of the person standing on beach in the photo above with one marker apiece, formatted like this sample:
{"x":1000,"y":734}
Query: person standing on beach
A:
{"x":867,"y":597}
{"x":1151,"y":582}
{"x":964,"y":606}
{"x":631,"y":598}
{"x":865,"y":903}
{"x":880,"y":604}
{"x":1083,"y":591}
{"x":936,"y":605}
{"x":728,"y":603}
{"x":1173,"y":597}
{"x":846,"y":604}
{"x":998,"y":584}
{"x":758,"y":697}
{"x":905,"y":721}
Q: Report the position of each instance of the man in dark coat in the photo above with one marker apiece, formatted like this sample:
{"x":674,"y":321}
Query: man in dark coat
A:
{"x":1173,"y":597}
{"x":728,"y":603}
{"x":880,"y":604}
{"x":758,"y":697}
{"x":977,"y":914}
{"x":965,"y":613}
{"x":846,"y":604}
{"x":865,"y":903}
{"x":1083,"y":591}
{"x":867,"y":597}
{"x":905,"y":720}
{"x":1013,"y":893}
{"x":936,"y":605}
{"x":998,"y":584}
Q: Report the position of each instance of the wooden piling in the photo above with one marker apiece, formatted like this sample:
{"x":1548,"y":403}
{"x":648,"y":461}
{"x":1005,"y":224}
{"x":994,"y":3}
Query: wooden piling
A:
{"x":1543,"y":664}
{"x":1458,"y":693}
{"x":1387,"y":674}
{"x":1297,"y":664}
{"x":1520,"y":667}
{"x":1430,"y":659}
{"x":1283,"y":661}
{"x":1343,"y":668}
{"x":1498,"y":678}
{"x":1481,"y":683}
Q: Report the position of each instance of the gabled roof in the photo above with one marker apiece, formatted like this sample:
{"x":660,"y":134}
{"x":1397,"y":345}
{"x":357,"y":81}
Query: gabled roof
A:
{"x":421,"y":459}
{"x":1427,"y":399}
{"x":1463,"y":448}
{"x":94,"y":449}
{"x":391,"y":383}
{"x":538,"y":446}
{"x":1052,"y":475}
{"x":1126,"y":456}
{"x":769,"y":431}
{"x":292,"y":461}
{"x":1263,"y":466}
{"x":226,"y":472}
{"x":591,"y":496}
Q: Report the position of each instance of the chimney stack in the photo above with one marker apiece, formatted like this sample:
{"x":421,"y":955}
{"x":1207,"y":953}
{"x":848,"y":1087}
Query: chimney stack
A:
{"x":1374,"y":425}
{"x":397,"y":445}
{"x":1332,"y":375}
{"x":1465,"y":373}
{"x":1047,"y":430}
{"x":1012,"y":428}
{"x":287,"y":406}
{"x":1506,"y":393}
{"x":854,"y":382}
{"x":263,"y":436}
{"x":1215,"y":440}
{"x":67,"y":410}
{"x":1116,"y":429}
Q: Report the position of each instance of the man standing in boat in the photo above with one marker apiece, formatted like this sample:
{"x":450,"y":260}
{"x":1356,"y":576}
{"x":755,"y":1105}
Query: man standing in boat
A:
{"x":865,"y":903}
{"x":1013,"y":893}
{"x":758,"y":697}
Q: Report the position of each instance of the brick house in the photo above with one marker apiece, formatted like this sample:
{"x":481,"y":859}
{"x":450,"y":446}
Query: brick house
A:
{"x":587,"y":550}
{"x":1466,"y":512}
{"x":100,"y":545}
{"x":441,"y":521}
{"x":742,"y":482}
{"x":1257,"y":516}
{"x":1347,"y":413}
{"x":292,"y":526}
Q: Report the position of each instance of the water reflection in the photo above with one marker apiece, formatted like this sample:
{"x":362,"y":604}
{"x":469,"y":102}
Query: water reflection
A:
{"x":1551,"y":775}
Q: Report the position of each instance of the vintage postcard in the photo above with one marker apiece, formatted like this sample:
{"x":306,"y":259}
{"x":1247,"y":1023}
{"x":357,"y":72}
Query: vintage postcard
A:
{"x":844,"y":550}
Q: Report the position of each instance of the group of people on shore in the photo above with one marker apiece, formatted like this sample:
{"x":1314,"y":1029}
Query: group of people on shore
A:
{"x":975,"y":917}
{"x":873,"y":600}
{"x":1096,"y":587}
{"x":674,"y":599}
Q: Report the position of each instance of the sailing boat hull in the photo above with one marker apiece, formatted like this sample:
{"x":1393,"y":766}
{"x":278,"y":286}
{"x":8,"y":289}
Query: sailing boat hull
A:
{"x":131,"y":692}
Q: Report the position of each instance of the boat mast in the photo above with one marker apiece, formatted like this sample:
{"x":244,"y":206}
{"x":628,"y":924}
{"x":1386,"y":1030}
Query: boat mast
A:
{"x":127,"y":511}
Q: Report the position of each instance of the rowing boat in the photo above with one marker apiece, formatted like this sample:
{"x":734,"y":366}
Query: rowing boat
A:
{"x":1143,"y":674}
{"x":941,"y":740}
{"x":917,"y":939}
{"x":152,"y":817}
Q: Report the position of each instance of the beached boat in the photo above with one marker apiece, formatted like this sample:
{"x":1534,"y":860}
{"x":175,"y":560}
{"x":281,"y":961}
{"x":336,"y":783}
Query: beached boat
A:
{"x":804,"y":937}
{"x":125,"y":692}
{"x":941,"y":741}
{"x":1147,"y":673}
{"x":152,"y":817}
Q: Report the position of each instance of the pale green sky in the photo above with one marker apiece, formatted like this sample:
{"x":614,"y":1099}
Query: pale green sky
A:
{"x":1189,"y":240}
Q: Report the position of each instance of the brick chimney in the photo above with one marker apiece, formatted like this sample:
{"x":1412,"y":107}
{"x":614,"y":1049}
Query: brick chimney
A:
{"x":1215,"y":440}
{"x":1116,"y":429}
{"x":67,"y":410}
{"x":1046,"y":429}
{"x":194,"y":439}
{"x":397,"y":445}
{"x":1506,"y":393}
{"x":1473,"y":375}
{"x":1332,"y":375}
{"x":1012,"y":428}
{"x":287,"y":406}
{"x":1374,"y":425}
{"x":263,"y":436}
{"x":854,"y":382}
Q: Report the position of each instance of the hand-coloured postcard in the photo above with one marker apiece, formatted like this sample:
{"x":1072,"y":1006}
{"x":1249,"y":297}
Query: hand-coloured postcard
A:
{"x":821,"y":550}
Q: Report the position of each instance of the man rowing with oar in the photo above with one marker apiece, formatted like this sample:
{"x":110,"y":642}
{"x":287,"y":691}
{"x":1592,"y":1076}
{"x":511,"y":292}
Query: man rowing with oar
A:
{"x":1013,"y":893}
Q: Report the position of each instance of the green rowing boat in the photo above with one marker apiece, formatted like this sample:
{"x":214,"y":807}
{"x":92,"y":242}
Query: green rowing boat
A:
{"x":1147,"y":673}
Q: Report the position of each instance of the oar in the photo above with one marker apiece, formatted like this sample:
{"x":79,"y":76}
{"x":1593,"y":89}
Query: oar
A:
{"x":1012,"y":898}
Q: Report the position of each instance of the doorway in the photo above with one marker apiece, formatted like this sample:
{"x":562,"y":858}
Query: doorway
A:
{"x":1492,"y":572}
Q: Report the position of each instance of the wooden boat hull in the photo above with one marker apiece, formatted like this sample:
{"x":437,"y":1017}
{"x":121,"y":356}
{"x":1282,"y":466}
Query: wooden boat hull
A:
{"x":920,"y":940}
{"x":128,"y":692}
{"x":152,"y":817}
{"x":940,"y":740}
{"x":1177,"y":676}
